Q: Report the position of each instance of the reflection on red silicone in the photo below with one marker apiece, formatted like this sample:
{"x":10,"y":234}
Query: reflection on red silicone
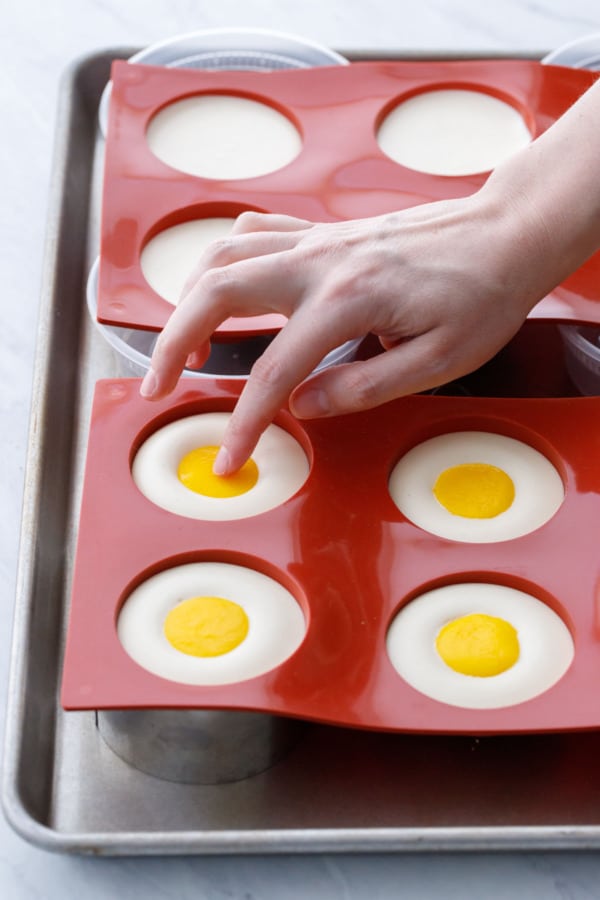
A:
{"x":345,"y":551}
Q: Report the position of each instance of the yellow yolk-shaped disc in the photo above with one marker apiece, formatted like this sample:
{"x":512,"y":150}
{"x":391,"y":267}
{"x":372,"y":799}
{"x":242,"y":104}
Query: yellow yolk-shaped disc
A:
{"x":474,"y":490}
{"x":195,"y":472}
{"x":206,"y":626}
{"x":478,"y":644}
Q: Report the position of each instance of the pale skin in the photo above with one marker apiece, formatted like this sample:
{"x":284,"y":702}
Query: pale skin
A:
{"x":443,"y":285}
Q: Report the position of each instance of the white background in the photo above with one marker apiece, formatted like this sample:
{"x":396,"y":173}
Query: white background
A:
{"x":38,"y":40}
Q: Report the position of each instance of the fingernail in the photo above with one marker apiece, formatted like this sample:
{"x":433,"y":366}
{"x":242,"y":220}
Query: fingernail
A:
{"x":221,"y":463}
{"x":149,"y":384}
{"x":310,"y":404}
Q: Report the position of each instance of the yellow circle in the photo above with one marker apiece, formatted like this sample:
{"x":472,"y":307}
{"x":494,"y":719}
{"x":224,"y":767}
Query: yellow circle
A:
{"x":474,"y":490}
{"x":195,"y":471}
{"x":478,"y":644}
{"x":206,"y":626}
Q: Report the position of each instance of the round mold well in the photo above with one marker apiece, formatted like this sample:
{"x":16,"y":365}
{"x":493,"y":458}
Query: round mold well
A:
{"x":230,"y":49}
{"x":451,"y":131}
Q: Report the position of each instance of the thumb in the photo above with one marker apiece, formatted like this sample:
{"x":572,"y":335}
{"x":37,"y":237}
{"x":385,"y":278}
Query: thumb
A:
{"x":407,"y":368}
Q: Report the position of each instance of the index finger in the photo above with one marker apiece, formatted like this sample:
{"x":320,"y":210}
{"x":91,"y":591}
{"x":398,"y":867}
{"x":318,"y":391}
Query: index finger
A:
{"x":290,"y":358}
{"x":244,"y":288}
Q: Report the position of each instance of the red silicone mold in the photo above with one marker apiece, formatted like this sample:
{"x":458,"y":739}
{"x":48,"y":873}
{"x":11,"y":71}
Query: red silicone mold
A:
{"x":340,"y":173}
{"x":346,"y":552}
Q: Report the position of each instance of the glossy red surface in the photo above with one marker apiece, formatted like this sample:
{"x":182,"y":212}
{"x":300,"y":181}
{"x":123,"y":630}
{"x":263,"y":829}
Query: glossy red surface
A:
{"x":347,"y":553}
{"x":340,"y":173}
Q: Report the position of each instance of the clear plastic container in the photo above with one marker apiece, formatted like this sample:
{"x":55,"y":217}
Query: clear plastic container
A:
{"x":583,"y":53}
{"x":582,"y":342}
{"x":233,"y":359}
{"x":250,"y":49}
{"x":582,"y":356}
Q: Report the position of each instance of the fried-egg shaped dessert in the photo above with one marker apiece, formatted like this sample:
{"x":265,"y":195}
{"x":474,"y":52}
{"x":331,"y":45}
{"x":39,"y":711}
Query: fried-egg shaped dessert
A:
{"x":173,"y":469}
{"x":479,"y":645}
{"x":476,"y":486}
{"x":210,"y":623}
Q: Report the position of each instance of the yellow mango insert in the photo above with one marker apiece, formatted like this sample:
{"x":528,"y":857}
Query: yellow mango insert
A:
{"x":478,"y":644}
{"x":195,"y":473}
{"x":206,"y":626}
{"x":474,"y":490}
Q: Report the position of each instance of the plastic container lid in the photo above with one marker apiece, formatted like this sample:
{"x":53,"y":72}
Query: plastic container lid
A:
{"x":582,"y":345}
{"x":582,"y":53}
{"x":582,"y":356}
{"x":257,"y":49}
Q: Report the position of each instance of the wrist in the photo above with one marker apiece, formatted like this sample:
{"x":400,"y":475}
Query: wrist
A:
{"x":520,"y":252}
{"x":549,"y":194}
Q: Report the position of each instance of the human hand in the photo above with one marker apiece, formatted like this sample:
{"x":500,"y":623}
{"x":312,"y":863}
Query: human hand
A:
{"x":441,"y":285}
{"x":444,"y":285}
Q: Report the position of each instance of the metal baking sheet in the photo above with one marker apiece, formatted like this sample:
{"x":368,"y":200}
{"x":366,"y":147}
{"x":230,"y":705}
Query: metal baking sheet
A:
{"x":338,"y":790}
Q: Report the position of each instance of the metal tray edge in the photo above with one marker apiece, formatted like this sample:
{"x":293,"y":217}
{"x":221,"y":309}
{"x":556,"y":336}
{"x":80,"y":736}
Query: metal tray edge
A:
{"x":227,"y":842}
{"x":13,"y":806}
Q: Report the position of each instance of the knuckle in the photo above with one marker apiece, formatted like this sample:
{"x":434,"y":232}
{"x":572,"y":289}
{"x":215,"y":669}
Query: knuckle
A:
{"x":268,"y":370}
{"x":329,"y":299}
{"x":337,"y":291}
{"x":217,"y":282}
{"x":360,"y":391}
{"x":248,"y":221}
{"x":218,"y":251}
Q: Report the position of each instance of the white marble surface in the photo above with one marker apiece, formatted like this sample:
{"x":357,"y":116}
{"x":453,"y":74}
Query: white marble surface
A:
{"x":37,"y":40}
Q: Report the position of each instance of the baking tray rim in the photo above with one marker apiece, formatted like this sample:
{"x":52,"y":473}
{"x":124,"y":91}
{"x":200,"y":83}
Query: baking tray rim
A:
{"x":230,"y":842}
{"x":225,"y":841}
